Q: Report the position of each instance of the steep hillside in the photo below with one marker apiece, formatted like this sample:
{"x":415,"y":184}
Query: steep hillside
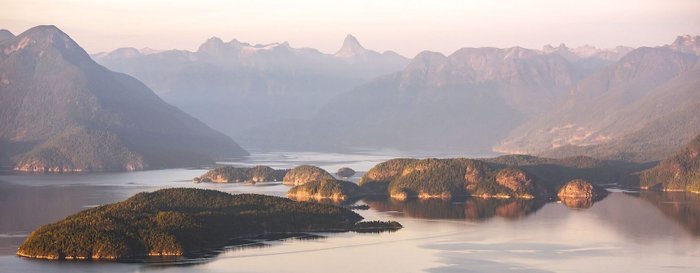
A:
{"x":60,"y":111}
{"x":678,"y":172}
{"x":641,"y":108}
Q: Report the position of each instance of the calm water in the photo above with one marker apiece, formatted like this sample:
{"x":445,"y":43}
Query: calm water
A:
{"x":641,"y":232}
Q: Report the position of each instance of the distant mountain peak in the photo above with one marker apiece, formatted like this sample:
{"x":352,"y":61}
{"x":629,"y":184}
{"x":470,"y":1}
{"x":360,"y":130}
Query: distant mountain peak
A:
{"x":212,"y":44}
{"x":125,"y":52}
{"x":216,"y":40}
{"x":351,"y":48}
{"x":48,"y":33}
{"x":92,"y":118}
{"x":5,"y":35}
{"x":687,"y":44}
{"x":47,"y":37}
{"x":236,"y":43}
{"x":550,"y":48}
{"x":586,"y":51}
{"x":687,"y":39}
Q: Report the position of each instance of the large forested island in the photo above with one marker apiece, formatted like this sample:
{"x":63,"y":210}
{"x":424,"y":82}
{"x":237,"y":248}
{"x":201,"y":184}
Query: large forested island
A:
{"x":514,"y":176}
{"x":173,"y":222}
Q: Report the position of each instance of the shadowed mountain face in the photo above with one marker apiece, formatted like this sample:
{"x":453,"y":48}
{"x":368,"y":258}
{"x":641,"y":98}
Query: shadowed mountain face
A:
{"x":60,"y":111}
{"x":641,"y":108}
{"x":234,"y":86}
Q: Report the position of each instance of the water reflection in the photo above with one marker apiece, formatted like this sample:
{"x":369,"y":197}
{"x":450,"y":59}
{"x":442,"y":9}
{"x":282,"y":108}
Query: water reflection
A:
{"x":235,"y":245}
{"x":470,"y":208}
{"x":473,"y":209}
{"x":24,"y":208}
{"x":682,"y":207}
{"x":580,"y":202}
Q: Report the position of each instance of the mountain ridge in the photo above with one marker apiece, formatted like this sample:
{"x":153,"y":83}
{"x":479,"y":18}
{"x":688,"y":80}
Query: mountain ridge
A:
{"x":223,"y":83}
{"x":616,"y":105}
{"x":61,"y":111}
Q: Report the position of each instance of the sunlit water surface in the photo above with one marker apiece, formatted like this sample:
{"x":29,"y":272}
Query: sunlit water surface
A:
{"x":625,"y":232}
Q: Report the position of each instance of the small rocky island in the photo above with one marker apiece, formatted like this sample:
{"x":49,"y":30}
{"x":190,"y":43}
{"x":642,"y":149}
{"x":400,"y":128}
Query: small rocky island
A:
{"x":580,"y":194}
{"x":331,"y":189}
{"x":304,"y":174}
{"x":345,"y":172}
{"x":179,"y":221}
{"x":230,"y":174}
{"x":579,"y":188}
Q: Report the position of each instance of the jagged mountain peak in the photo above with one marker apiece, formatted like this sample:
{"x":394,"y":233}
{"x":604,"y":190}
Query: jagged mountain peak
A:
{"x":687,"y":44}
{"x":548,"y":48}
{"x":687,"y":40}
{"x":351,"y":48}
{"x":586,"y":52}
{"x":210,"y":44}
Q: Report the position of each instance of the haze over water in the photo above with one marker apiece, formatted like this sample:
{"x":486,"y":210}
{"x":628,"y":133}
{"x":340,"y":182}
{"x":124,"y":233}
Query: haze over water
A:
{"x":627,"y":231}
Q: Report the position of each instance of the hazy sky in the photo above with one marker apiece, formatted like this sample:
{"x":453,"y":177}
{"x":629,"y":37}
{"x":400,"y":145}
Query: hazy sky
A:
{"x":406,"y":26}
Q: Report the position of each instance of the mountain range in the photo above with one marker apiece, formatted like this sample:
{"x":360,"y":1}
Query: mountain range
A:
{"x":234,"y":86}
{"x":641,"y":108}
{"x":463,"y":102}
{"x":62,"y":112}
{"x":628,"y":104}
{"x":622,"y":104}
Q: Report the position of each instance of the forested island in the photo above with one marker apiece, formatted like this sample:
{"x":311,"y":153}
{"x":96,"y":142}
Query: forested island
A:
{"x":332,"y":189}
{"x":513,"y":176}
{"x":304,"y":174}
{"x":179,"y":221}
{"x":230,"y":174}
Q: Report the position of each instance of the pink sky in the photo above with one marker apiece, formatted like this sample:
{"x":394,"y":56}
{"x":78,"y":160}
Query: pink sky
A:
{"x":405,"y":26}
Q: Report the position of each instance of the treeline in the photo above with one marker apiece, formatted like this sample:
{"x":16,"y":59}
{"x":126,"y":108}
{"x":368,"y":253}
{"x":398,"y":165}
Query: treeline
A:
{"x":78,"y":148}
{"x":679,"y":172}
{"x":326,"y":189}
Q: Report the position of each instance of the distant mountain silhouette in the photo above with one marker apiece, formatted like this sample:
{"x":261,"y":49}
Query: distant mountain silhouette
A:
{"x":464,"y":102}
{"x":234,"y":86}
{"x":61,"y":111}
{"x":620,"y":103}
